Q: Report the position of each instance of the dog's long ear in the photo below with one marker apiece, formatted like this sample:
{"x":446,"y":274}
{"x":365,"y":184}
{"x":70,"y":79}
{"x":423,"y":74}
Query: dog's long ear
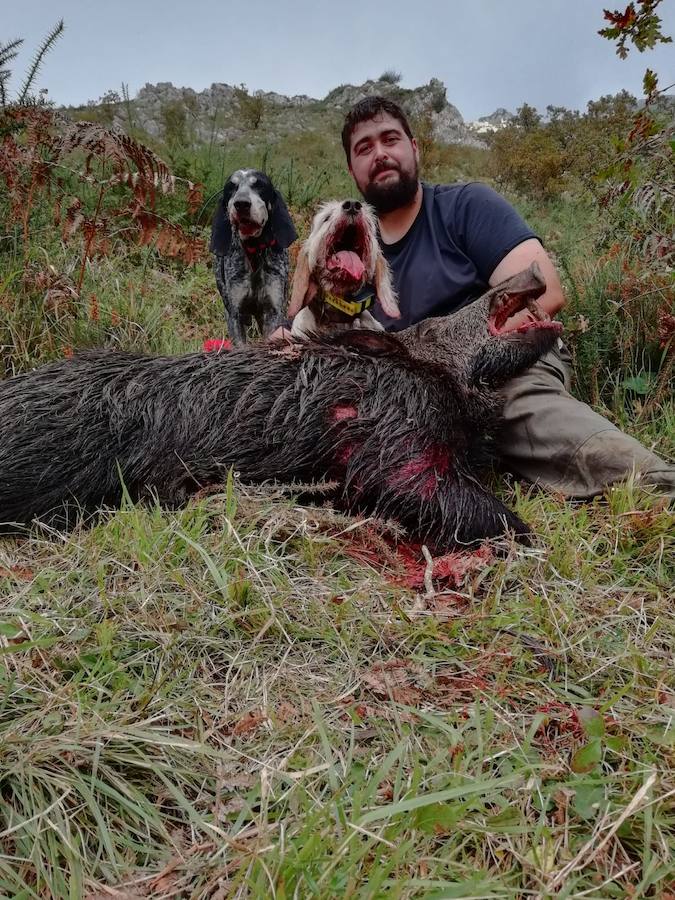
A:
{"x":221,"y":230}
{"x":281,"y":223}
{"x":301,"y":292}
{"x":383,"y":288}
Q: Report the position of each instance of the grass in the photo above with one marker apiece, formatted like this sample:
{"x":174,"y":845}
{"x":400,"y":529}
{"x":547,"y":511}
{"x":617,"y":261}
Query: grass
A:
{"x":221,"y":700}
{"x":227,"y":701}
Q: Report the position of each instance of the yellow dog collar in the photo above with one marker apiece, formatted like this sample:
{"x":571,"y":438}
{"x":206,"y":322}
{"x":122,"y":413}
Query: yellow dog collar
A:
{"x":352,"y":304}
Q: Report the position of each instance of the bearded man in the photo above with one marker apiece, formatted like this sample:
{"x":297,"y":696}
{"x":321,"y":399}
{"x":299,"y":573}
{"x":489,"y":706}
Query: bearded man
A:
{"x":446,"y":245}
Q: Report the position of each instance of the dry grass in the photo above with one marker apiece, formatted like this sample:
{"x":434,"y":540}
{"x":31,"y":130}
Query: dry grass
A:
{"x":220,"y":702}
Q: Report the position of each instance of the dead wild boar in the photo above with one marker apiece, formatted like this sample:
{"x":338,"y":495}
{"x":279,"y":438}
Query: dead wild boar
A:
{"x":402,"y":422}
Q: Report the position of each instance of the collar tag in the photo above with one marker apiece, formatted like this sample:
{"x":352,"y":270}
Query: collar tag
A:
{"x":352,"y":304}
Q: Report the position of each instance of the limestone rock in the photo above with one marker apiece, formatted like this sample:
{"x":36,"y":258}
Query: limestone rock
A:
{"x":216,"y":113}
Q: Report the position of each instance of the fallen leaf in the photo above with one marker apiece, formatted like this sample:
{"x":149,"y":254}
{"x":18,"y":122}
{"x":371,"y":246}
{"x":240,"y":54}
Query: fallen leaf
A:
{"x":393,"y":680}
{"x":249,"y":723}
{"x":23,"y":573}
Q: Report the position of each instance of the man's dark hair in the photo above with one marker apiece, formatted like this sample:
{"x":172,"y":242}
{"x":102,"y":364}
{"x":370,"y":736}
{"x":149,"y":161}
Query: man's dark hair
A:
{"x":367,"y":109}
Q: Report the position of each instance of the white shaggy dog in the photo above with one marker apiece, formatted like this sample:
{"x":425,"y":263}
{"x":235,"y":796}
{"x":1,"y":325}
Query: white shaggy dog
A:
{"x":340,"y":273}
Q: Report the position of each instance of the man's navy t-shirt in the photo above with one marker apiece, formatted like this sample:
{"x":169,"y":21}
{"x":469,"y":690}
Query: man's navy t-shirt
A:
{"x":461,"y":234}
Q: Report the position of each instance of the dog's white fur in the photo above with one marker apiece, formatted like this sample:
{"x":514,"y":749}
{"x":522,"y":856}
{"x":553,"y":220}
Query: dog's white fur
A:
{"x":311,"y":276}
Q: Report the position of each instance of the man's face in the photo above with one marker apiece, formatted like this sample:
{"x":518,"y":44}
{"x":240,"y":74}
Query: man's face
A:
{"x":384,"y":163}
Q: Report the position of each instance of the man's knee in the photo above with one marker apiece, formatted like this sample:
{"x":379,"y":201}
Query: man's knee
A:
{"x":550,"y":375}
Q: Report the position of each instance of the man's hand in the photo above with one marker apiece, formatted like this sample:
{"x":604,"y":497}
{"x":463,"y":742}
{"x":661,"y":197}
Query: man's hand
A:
{"x":521,"y":257}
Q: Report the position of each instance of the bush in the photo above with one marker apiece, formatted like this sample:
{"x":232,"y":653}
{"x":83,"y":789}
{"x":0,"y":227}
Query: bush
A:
{"x":543,"y":159}
{"x":98,"y":183}
{"x":174,"y":124}
{"x":615,"y":325}
{"x":391,"y":76}
{"x":531,"y":161}
{"x":251,"y":107}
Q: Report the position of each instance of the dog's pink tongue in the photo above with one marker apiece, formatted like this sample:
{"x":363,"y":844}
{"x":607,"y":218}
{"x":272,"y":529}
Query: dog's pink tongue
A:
{"x":349,"y":262}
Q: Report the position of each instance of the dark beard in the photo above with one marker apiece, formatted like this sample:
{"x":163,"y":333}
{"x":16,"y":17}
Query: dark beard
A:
{"x":385,"y":198}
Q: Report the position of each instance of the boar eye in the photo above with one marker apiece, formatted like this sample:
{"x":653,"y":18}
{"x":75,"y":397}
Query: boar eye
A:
{"x":425,"y":330}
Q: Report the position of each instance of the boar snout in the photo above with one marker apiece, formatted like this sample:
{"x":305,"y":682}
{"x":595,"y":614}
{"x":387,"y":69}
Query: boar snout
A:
{"x":517,"y":293}
{"x":505,"y":353}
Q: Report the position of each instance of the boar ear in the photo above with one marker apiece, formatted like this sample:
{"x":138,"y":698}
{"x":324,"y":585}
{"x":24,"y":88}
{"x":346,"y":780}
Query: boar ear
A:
{"x":368,"y":343}
{"x":529,"y":281}
{"x":536,"y":275}
{"x":300,"y":290}
{"x":384,"y":290}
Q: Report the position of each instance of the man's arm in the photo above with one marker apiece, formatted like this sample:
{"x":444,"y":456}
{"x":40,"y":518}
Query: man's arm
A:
{"x":527,"y":252}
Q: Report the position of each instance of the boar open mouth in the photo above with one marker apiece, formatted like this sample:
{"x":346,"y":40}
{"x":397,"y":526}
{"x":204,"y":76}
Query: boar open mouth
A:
{"x":506,"y":305}
{"x":345,"y":252}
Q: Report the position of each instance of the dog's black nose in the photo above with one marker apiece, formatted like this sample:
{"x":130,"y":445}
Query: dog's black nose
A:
{"x":242,"y":205}
{"x":351,"y":206}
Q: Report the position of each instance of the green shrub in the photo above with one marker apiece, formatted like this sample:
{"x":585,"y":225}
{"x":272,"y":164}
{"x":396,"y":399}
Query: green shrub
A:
{"x":391,"y":76}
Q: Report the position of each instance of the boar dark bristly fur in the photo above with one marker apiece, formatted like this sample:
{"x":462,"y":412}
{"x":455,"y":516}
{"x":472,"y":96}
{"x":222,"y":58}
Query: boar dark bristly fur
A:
{"x":403,"y":422}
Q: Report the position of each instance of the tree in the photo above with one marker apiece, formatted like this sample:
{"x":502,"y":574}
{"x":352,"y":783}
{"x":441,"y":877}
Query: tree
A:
{"x":251,"y":107}
{"x":641,"y":27}
{"x":174,"y":124}
{"x":613,"y":106}
{"x":527,"y":117}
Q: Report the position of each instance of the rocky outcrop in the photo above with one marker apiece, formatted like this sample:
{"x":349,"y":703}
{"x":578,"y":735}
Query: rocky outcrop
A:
{"x":447,"y":124}
{"x":500,"y":118}
{"x":225,"y":112}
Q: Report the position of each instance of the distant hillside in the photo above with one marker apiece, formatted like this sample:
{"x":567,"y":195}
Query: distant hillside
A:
{"x":500,"y":118}
{"x":225,"y":113}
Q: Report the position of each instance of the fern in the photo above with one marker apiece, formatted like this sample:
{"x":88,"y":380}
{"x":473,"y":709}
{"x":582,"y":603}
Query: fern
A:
{"x":50,"y":144}
{"x":133,"y":163}
{"x":8,"y":52}
{"x":45,"y":47}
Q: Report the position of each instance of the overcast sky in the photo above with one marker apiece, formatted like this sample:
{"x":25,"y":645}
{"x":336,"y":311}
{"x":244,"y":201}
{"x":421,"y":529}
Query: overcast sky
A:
{"x":489,"y":53}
